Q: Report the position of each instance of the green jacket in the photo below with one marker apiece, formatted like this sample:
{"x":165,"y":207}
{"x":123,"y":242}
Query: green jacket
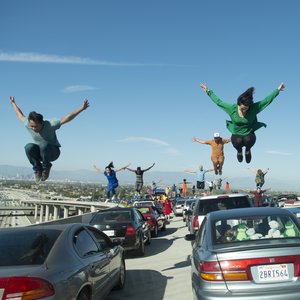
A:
{"x":248,"y":124}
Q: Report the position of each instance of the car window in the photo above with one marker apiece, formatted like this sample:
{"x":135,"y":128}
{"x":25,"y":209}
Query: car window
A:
{"x":249,"y":228}
{"x":28,"y":247}
{"x":144,"y":210}
{"x":208,"y":205}
{"x":201,"y":233}
{"x":84,"y":244}
{"x":111,"y":217}
{"x":138,"y":215}
{"x":102,"y":239}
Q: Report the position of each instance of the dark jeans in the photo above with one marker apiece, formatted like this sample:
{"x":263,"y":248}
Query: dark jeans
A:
{"x":111,"y":188}
{"x":41,"y":156}
{"x":240,"y":141}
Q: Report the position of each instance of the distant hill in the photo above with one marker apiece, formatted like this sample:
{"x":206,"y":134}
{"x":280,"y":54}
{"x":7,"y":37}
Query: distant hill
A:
{"x":162,"y":178}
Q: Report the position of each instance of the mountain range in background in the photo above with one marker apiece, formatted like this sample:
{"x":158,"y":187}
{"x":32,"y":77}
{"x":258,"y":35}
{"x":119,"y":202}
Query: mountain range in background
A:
{"x":161,"y":178}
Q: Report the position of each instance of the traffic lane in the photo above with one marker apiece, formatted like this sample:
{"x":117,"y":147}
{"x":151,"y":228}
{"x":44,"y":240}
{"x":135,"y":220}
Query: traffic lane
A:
{"x":164,"y":272}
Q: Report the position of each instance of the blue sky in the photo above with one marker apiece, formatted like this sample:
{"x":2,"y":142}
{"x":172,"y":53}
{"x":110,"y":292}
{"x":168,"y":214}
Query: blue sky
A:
{"x":140,"y":64}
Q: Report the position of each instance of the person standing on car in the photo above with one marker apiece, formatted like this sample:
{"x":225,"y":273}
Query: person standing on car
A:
{"x":139,"y":182}
{"x":113,"y":182}
{"x":217,"y":150}
{"x":243,"y":115}
{"x":45,"y":147}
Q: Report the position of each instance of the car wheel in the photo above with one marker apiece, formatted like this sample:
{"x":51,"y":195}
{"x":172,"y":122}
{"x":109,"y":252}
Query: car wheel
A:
{"x":155,"y":231}
{"x":83,"y":295}
{"x":148,"y":242}
{"x":164,"y":227}
{"x":141,"y":249}
{"x":122,"y":276}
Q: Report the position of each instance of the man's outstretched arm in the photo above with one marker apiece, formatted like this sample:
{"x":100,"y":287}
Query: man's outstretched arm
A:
{"x":17,"y":109}
{"x":75,"y":113}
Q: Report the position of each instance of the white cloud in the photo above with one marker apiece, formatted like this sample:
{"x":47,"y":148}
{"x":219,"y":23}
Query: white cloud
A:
{"x":31,"y":57}
{"x":167,"y":149}
{"x":77,"y":88}
{"x":144,"y":139}
{"x":279,"y":153}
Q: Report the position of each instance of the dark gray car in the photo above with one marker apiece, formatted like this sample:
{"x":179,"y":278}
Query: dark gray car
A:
{"x":61,"y":262}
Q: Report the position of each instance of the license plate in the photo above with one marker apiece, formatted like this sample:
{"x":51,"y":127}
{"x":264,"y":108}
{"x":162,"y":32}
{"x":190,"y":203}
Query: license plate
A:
{"x":278,"y":272}
{"x":109,"y":232}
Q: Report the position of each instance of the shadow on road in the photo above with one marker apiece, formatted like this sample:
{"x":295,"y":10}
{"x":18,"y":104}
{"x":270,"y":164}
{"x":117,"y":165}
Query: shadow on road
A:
{"x":142,"y":284}
{"x":182,"y":264}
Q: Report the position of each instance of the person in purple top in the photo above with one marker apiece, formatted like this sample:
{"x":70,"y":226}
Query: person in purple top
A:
{"x":45,"y":147}
{"x":113,"y":182}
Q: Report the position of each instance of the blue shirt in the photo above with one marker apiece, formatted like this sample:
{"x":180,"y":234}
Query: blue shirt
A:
{"x":112,"y":178}
{"x":47,"y":135}
{"x":200,"y":175}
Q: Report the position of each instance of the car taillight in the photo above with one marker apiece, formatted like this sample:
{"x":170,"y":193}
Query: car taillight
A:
{"x":130,"y":230}
{"x":25,"y":288}
{"x":239,"y":269}
{"x":195,"y":223}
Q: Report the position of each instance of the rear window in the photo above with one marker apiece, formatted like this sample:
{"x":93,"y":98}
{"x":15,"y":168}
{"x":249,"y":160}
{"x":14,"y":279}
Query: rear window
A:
{"x":180,"y":202}
{"x":208,"y":205}
{"x":28,"y":247}
{"x":144,"y":210}
{"x":111,"y":217}
{"x":249,"y":228}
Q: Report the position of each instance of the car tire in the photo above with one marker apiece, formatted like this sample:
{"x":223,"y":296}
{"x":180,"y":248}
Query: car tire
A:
{"x":122,"y":276}
{"x":83,"y":295}
{"x":148,"y":242}
{"x":155,"y":231}
{"x":141,"y":250}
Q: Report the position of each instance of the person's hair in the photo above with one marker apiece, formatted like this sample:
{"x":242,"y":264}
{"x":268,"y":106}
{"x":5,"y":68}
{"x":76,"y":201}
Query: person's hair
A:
{"x":259,"y":172}
{"x":110,"y":166}
{"x":138,"y":170}
{"x":36,"y":117}
{"x":246,"y":98}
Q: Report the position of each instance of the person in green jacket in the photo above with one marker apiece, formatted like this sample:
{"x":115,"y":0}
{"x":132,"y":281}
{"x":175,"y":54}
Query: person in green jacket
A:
{"x":243,"y":116}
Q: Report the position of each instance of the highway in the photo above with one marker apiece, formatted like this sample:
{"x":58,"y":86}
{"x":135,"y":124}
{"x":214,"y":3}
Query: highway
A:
{"x":164,"y":272}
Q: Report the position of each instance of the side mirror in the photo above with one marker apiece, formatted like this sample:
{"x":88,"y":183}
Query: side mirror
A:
{"x":190,"y":237}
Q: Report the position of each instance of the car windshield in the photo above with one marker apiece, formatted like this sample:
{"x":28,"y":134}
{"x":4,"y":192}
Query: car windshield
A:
{"x":254,"y":228}
{"x":28,"y":247}
{"x":180,"y":202}
{"x":208,"y":205}
{"x":111,"y":217}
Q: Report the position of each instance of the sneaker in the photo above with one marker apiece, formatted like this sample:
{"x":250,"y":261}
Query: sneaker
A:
{"x":248,"y":156}
{"x":45,"y":174}
{"x":239,"y":156}
{"x":216,"y":172}
{"x":220,"y":172}
{"x":38,"y":176}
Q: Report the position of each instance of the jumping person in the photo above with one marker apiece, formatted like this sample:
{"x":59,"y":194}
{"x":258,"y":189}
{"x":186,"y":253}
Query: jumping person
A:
{"x":259,"y":176}
{"x":139,"y":177}
{"x":45,"y":147}
{"x":200,"y":175}
{"x":113,"y":182}
{"x":217,"y":152}
{"x":243,"y":116}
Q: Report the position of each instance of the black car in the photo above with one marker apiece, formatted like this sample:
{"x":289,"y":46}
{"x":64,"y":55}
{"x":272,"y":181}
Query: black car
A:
{"x":125,"y":224}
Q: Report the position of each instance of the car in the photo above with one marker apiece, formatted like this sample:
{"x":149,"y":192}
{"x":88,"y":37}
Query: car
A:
{"x":156,"y":220}
{"x":178,"y":207}
{"x":247,"y":253}
{"x":211,"y":203}
{"x":70,"y":261}
{"x":294,"y":210}
{"x":125,"y":224}
{"x":186,"y":207}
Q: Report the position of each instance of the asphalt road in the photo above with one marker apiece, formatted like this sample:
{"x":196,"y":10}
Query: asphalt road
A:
{"x":164,"y":272}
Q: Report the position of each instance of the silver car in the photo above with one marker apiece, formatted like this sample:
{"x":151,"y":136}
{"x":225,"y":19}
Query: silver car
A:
{"x":247,"y":254}
{"x":61,"y":262}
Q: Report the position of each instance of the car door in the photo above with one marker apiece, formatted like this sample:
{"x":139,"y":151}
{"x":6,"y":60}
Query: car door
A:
{"x":113,"y":252}
{"x":96,"y":263}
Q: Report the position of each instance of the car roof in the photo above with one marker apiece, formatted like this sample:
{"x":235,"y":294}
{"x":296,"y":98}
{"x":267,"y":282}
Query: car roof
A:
{"x":232,"y":195}
{"x":249,"y":211}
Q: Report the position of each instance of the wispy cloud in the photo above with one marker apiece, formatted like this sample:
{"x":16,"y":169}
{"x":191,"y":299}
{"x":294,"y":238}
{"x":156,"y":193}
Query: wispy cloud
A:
{"x":279,"y":153}
{"x":144,"y":139}
{"x":77,"y":88}
{"x":31,"y":57}
{"x":166,"y":147}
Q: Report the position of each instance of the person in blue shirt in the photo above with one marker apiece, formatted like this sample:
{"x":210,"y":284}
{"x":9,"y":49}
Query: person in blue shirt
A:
{"x":45,"y":147}
{"x":200,"y":175}
{"x":111,"y":176}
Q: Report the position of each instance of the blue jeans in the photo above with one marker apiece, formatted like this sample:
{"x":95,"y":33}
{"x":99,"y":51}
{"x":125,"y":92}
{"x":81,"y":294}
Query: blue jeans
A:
{"x":41,"y":156}
{"x":111,"y":188}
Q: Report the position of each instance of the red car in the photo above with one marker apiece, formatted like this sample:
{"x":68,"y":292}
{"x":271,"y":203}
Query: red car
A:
{"x":155,"y":219}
